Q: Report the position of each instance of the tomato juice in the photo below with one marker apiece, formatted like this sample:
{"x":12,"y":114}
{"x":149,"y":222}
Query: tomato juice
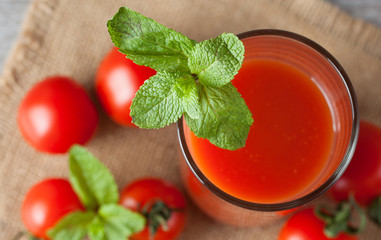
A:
{"x":303,"y":137}
{"x":288,"y":145}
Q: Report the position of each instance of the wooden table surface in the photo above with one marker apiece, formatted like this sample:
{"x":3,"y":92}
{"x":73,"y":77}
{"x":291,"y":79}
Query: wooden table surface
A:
{"x":12,"y":13}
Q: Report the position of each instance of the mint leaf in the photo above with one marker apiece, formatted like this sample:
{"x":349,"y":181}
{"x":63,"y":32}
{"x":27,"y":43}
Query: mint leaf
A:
{"x":95,"y":229}
{"x":158,"y":102}
{"x":72,"y":226}
{"x":193,"y":78}
{"x":218,"y":60}
{"x":225,"y":118}
{"x":190,"y":99}
{"x":90,"y":179}
{"x":148,"y":43}
{"x":119,"y":222}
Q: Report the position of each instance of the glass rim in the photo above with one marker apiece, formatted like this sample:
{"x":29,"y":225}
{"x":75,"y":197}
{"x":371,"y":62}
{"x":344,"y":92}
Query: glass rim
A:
{"x":323,"y":187}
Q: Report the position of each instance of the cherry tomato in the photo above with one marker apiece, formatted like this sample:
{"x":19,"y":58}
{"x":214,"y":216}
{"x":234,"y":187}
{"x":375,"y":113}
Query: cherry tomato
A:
{"x":47,"y":202}
{"x":304,"y":225}
{"x":117,"y":81}
{"x":287,"y":212}
{"x":55,"y":114}
{"x":156,"y":198}
{"x":363,"y":175}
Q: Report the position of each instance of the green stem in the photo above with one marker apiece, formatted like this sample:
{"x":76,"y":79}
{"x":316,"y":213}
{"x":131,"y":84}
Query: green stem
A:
{"x":340,"y":219}
{"x":157,"y":214}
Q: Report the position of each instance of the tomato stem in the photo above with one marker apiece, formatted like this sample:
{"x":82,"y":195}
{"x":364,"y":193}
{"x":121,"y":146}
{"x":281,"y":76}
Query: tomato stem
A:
{"x":339,"y":220}
{"x":157,"y":214}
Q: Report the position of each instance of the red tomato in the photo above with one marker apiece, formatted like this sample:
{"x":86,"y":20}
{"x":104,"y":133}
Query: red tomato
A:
{"x":144,"y":193}
{"x":363,"y":175}
{"x":55,"y":114}
{"x":304,"y":225}
{"x":45,"y":203}
{"x":287,"y":212}
{"x":117,"y":81}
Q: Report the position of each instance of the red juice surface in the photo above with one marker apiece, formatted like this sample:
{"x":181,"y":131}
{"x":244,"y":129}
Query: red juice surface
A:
{"x":288,"y":145}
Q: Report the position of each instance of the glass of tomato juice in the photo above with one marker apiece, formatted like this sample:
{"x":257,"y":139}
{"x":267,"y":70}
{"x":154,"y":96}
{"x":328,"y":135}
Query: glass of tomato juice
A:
{"x":304,"y":133}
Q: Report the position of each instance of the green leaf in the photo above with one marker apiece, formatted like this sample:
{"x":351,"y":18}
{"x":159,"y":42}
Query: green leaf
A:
{"x":340,"y":219}
{"x":148,"y":43}
{"x":190,"y":99}
{"x":95,"y":229}
{"x":193,"y":78}
{"x":119,"y":222}
{"x":158,"y":102}
{"x":225,"y":118}
{"x":218,"y":60}
{"x":90,"y":179}
{"x":72,"y":226}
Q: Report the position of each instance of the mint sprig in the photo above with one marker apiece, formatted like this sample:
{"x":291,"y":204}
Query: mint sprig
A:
{"x":148,"y":43}
{"x":159,"y":101}
{"x":97,"y":190}
{"x":117,"y":221}
{"x":91,"y":180}
{"x":193,"y":79}
{"x":72,"y":226}
{"x":218,"y":60}
{"x":226,"y":119}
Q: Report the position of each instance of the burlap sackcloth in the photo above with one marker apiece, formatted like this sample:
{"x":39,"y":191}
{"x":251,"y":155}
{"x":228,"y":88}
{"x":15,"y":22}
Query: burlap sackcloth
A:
{"x":70,"y":38}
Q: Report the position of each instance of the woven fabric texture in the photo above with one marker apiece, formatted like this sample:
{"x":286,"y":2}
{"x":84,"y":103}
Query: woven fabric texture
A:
{"x":70,"y":38}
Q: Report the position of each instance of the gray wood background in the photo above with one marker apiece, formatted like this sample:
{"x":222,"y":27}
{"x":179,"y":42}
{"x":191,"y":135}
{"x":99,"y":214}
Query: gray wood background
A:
{"x":13,"y":11}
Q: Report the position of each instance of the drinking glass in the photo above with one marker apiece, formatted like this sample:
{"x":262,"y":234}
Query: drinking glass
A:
{"x":328,"y":75}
